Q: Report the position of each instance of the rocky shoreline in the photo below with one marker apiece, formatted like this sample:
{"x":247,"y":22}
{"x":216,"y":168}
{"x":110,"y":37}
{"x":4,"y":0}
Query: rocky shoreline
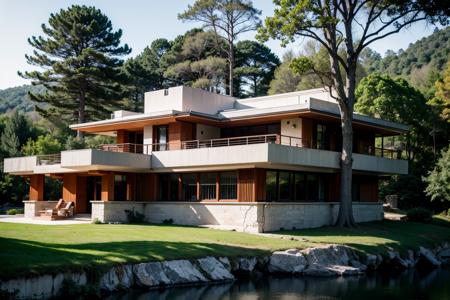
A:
{"x":323,"y":261}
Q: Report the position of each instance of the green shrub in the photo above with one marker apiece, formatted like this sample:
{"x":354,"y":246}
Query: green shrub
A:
{"x":96,"y":221}
{"x":419,"y":214}
{"x":134,"y":217}
{"x":14,"y":211}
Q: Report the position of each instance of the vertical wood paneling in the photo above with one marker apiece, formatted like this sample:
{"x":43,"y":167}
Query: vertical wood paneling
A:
{"x":108,"y":187}
{"x":369,"y":189}
{"x":81,"y":201}
{"x":122,"y":137}
{"x":246,"y":185}
{"x":260,"y":185}
{"x":37,"y":187}
{"x":131,"y":187}
{"x":307,"y":132}
{"x":70,"y":187}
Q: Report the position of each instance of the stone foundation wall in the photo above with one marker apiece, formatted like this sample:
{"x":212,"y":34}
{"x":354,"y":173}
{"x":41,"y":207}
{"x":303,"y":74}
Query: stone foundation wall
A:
{"x":247,"y":217}
{"x":32,"y":208}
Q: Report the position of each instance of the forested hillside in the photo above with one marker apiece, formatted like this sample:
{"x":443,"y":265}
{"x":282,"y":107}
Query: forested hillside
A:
{"x":419,"y":63}
{"x":16,"y":97}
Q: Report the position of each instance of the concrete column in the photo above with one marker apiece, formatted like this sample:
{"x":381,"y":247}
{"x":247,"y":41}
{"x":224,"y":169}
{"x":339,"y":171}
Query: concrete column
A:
{"x":37,"y":187}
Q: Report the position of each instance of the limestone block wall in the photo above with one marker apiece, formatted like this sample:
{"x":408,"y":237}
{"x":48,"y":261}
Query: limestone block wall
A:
{"x":242,"y":216}
{"x":32,"y":208}
{"x":278,"y":216}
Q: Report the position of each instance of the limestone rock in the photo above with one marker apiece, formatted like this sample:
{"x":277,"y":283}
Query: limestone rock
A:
{"x":247,"y":264}
{"x":318,"y":270}
{"x":214,"y":269}
{"x":327,"y":255}
{"x":117,"y":277}
{"x":150,"y":274}
{"x":371,"y":261}
{"x":109,"y":281}
{"x":226,"y":263}
{"x":396,"y":261}
{"x":429,"y":257}
{"x":444,"y":255}
{"x":357,"y":264}
{"x":289,"y":261}
{"x":182,"y":271}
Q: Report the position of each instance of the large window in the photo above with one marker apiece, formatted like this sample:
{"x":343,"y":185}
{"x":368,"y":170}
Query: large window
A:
{"x":120,"y":187}
{"x":168,"y":187}
{"x":288,"y":186}
{"x":321,"y":137}
{"x":189,"y":192}
{"x":228,"y":185}
{"x":271,"y":186}
{"x":208,"y":186}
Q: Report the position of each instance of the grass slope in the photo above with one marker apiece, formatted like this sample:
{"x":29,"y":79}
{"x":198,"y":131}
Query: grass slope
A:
{"x":30,"y":249}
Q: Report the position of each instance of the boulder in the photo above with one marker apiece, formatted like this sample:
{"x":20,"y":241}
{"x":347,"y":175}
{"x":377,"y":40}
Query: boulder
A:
{"x":319,"y":270}
{"x":150,"y":274}
{"x":226,"y":263}
{"x":214,"y":269}
{"x":289,"y":261}
{"x":327,"y":255}
{"x":371,"y":261}
{"x":444,"y":255}
{"x":247,"y":264}
{"x":109,"y":281}
{"x":394,"y":259}
{"x":182,"y":271}
{"x":357,"y":264}
{"x":428,"y":257}
{"x":117,"y":277}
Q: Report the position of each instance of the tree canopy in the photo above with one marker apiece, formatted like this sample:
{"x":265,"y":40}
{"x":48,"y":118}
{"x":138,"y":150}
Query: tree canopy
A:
{"x":80,"y":54}
{"x":227,"y":19}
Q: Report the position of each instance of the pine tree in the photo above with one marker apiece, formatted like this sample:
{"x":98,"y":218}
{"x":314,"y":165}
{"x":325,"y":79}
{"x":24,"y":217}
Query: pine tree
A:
{"x":80,"y":55}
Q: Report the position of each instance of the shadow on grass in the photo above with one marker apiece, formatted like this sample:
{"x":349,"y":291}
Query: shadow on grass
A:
{"x":25,"y":258}
{"x":376,"y":237}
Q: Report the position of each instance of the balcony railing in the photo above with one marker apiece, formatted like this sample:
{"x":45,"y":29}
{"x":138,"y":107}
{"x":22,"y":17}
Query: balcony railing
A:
{"x":48,"y":159}
{"x":228,"y":142}
{"x":125,"y":147}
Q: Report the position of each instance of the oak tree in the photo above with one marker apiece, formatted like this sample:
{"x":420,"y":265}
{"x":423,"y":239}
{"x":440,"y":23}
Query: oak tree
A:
{"x":345,"y":28}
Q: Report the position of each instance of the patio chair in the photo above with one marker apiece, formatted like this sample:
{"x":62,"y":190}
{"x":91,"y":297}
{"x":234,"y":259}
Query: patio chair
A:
{"x":66,"y":211}
{"x":52,"y":211}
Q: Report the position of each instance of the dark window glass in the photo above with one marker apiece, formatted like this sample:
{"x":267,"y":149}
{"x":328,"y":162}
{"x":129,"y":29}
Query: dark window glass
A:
{"x":300,"y":187}
{"x":164,"y":187}
{"x":271,"y":186}
{"x":228,"y":185}
{"x":208,"y":186}
{"x":312,"y":187}
{"x":321,"y":136}
{"x":189,"y":191}
{"x":285,"y":187}
{"x":162,"y":138}
{"x":173,"y":190}
{"x":120,"y":187}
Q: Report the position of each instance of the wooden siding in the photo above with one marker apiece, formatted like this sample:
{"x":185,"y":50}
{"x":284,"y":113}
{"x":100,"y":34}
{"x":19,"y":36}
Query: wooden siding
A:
{"x":37,"y":187}
{"x":108,"y":187}
{"x":368,"y":190}
{"x":246,"y":185}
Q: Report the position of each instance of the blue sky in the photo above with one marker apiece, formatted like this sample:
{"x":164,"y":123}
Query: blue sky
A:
{"x":142,"y":21}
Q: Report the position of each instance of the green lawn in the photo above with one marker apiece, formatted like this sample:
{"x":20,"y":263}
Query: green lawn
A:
{"x":38,"y":248}
{"x":375,"y":237}
{"x":27,"y":249}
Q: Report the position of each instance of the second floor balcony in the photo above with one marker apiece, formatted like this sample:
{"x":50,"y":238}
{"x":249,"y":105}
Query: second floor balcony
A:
{"x":386,"y":152}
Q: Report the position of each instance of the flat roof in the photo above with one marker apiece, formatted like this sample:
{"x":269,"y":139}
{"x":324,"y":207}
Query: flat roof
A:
{"x":308,"y":107}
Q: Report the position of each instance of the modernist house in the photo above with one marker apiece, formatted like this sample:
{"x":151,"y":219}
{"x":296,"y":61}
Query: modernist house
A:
{"x":200,"y":158}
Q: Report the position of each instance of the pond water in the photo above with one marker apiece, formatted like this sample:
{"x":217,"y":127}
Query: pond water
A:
{"x":381,"y":286}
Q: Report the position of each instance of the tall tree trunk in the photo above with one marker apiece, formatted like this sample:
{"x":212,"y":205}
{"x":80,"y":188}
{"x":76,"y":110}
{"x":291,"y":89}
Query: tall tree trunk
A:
{"x":231,"y":69}
{"x":345,"y":216}
{"x":81,"y":112}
